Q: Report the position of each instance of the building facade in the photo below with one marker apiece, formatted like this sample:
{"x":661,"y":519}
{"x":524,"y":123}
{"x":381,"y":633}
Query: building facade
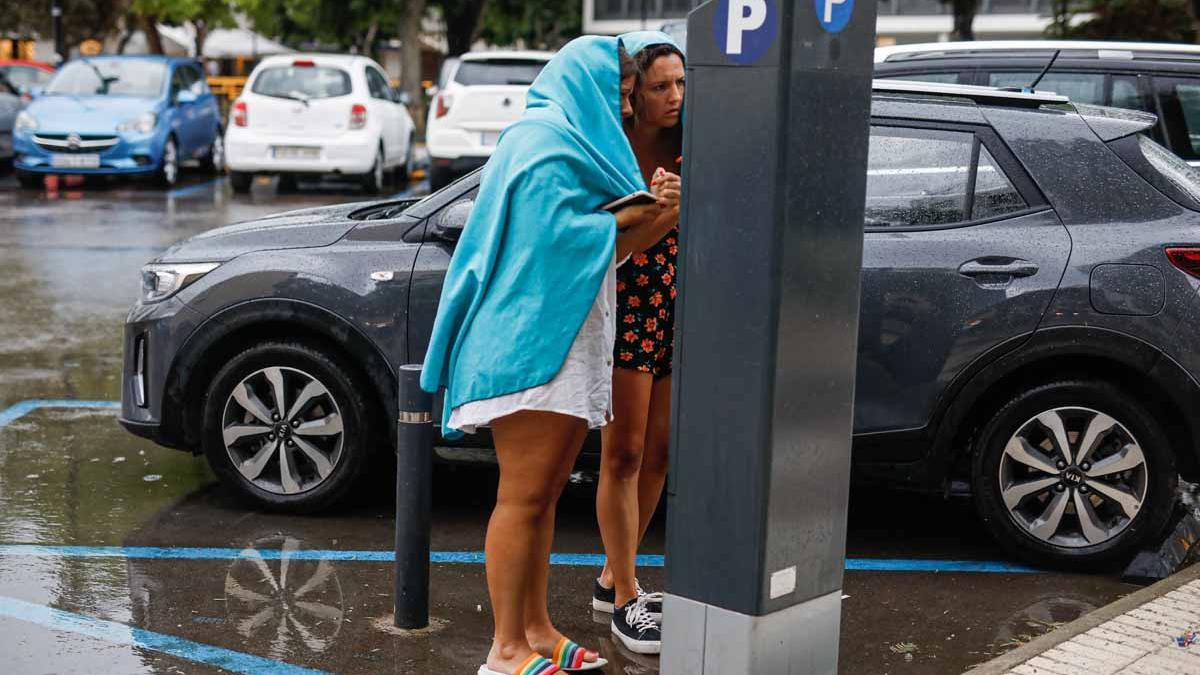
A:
{"x":899,"y":22}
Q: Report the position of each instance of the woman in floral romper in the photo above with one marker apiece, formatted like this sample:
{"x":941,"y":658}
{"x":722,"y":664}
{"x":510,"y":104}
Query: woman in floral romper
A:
{"x":633,"y":465}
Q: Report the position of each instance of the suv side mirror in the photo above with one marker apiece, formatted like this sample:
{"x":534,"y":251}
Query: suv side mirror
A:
{"x":448,"y":224}
{"x":185,"y":97}
{"x":402,"y":97}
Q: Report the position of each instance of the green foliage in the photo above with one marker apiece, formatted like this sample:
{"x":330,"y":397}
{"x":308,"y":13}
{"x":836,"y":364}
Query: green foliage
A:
{"x":341,"y":25}
{"x":211,"y":13}
{"x":1136,"y":20}
{"x":538,"y":24}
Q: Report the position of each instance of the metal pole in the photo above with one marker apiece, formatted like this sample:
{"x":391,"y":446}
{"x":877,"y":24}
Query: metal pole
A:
{"x":414,"y":499}
{"x":59,"y":40}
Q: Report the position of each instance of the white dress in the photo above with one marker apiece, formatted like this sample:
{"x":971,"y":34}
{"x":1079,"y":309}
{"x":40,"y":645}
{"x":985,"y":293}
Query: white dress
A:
{"x":583,"y":386}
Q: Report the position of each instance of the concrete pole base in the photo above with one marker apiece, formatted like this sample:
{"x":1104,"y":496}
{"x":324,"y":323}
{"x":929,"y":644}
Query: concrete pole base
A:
{"x":700,"y":639}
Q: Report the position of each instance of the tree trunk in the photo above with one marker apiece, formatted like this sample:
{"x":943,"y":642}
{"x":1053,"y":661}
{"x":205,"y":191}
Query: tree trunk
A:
{"x":153,"y":39}
{"x":369,"y":39}
{"x":201,"y":35}
{"x":410,"y":59}
{"x":462,"y":24}
{"x":964,"y":19}
{"x":1193,"y":7}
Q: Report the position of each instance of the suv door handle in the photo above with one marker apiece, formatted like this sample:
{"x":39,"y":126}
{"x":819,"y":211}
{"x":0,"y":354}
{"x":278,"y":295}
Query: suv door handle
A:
{"x":1008,"y":267}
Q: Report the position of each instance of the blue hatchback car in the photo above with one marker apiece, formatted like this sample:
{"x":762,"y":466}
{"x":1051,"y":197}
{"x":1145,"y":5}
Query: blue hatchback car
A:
{"x":143,"y":115}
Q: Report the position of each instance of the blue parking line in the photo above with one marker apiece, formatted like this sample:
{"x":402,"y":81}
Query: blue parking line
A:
{"x":18,"y":410}
{"x":193,"y":189}
{"x":121,"y":634}
{"x":465,"y":558}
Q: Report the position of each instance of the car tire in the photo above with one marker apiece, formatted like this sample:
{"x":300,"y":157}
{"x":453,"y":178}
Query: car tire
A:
{"x":1029,"y":496}
{"x":167,"y":174}
{"x":336,"y":407}
{"x":30,"y":180}
{"x":214,"y":161}
{"x":439,"y":177}
{"x":373,"y":180}
{"x":241,"y":181}
{"x":404,"y":171}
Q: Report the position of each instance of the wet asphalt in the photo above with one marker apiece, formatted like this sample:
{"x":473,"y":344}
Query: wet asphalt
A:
{"x":118,"y":556}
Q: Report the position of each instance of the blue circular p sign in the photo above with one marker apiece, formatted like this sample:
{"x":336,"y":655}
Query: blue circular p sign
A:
{"x":745,"y":29}
{"x":834,"y":14}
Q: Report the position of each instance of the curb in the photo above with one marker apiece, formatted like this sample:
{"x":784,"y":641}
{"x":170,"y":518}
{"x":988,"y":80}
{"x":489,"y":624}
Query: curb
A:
{"x":1006,"y":662}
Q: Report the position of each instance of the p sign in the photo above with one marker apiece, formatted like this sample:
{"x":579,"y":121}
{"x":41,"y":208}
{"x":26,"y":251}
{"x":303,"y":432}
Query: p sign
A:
{"x":834,"y":14}
{"x":745,"y":29}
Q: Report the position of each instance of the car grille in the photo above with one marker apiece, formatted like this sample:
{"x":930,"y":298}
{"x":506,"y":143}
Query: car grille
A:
{"x":74,"y":142}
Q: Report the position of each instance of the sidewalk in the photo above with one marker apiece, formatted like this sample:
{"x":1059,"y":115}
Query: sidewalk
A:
{"x":1140,"y":634}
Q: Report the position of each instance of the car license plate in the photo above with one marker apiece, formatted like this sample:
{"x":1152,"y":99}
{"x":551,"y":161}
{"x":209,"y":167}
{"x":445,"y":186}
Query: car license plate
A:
{"x":489,"y":138}
{"x":296,"y":152}
{"x":84,"y":161}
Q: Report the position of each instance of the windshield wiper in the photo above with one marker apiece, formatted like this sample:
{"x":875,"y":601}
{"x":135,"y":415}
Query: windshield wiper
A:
{"x":302,"y":98}
{"x":105,"y":81}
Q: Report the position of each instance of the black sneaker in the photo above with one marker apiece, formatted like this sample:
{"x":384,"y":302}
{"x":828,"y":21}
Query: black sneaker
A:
{"x":603,"y":599}
{"x":636,"y":627}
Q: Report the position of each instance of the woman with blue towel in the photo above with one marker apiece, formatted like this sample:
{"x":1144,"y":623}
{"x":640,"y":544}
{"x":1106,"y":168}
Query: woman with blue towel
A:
{"x":523,"y":339}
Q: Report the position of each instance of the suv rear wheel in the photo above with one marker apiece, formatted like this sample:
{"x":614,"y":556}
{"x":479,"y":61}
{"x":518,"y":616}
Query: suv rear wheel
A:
{"x":1074,"y":473}
{"x":286,"y":425}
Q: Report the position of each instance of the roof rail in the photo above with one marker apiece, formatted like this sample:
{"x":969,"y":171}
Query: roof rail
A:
{"x":988,"y":95}
{"x":1010,"y":48}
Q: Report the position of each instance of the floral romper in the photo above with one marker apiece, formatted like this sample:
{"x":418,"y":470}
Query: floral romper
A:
{"x":646,"y":309}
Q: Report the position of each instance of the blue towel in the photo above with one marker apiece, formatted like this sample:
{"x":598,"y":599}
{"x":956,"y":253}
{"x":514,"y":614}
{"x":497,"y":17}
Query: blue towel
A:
{"x":640,"y":39}
{"x":534,"y":251}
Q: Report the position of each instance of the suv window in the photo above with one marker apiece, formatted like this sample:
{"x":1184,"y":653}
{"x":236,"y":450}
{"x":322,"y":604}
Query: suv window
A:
{"x":377,"y":84}
{"x":933,"y":177}
{"x":1180,"y":100}
{"x":498,"y":71}
{"x":302,"y":82}
{"x":1079,"y":87}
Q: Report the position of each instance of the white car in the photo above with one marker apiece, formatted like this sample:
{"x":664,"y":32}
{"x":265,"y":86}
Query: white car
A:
{"x":319,"y":114}
{"x":483,"y":93}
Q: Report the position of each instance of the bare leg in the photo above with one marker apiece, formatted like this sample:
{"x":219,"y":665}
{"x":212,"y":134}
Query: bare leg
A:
{"x":531,"y":448}
{"x":620,"y":463}
{"x":539,"y":628}
{"x":653,"y":475}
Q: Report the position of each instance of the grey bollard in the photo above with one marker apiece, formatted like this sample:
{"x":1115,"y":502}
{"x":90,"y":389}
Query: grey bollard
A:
{"x":414,"y":499}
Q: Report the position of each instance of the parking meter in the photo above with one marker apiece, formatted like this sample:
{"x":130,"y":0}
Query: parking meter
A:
{"x":775,"y":155}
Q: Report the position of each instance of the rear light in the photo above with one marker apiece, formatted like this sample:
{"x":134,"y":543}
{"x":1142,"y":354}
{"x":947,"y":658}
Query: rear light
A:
{"x":241,"y":117}
{"x":303,"y":63}
{"x":1187,"y":259}
{"x":358,"y":116}
{"x":443,"y":104}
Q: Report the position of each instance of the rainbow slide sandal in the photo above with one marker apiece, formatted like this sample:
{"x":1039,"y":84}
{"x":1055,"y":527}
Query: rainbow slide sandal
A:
{"x":536,"y":664}
{"x":569,"y":656}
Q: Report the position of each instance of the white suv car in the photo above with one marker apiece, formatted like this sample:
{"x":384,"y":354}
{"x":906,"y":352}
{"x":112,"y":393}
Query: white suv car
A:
{"x":318,"y":114}
{"x":484,"y":92}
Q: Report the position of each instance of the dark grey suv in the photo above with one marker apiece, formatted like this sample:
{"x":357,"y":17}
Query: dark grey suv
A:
{"x":1029,"y":298}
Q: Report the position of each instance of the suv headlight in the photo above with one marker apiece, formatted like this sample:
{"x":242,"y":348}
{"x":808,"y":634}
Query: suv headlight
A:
{"x":143,"y":124}
{"x":25,"y":122}
{"x":161,"y":281}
